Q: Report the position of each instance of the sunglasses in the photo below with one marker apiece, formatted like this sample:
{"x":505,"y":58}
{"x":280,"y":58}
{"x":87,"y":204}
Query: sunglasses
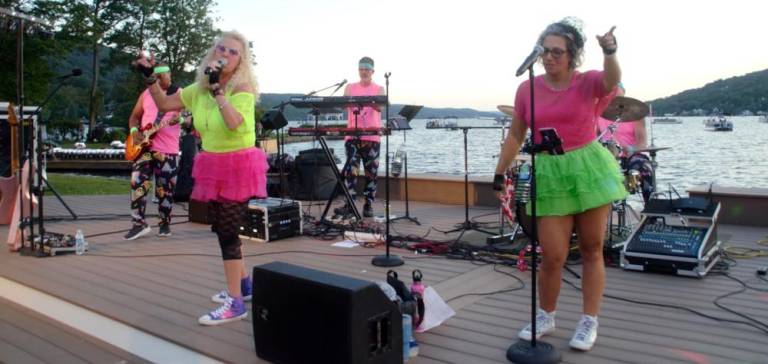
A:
{"x":555,"y":52}
{"x":232,"y":52}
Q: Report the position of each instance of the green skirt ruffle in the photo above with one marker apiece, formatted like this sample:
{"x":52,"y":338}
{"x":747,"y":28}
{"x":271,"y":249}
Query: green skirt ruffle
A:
{"x":576,"y":181}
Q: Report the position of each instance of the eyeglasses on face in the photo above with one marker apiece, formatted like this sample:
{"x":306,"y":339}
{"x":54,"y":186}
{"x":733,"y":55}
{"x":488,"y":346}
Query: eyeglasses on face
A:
{"x":222,"y":49}
{"x":555,"y":52}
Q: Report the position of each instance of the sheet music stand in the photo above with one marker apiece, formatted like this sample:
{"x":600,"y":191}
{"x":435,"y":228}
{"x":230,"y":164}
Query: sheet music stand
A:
{"x":408,"y":112}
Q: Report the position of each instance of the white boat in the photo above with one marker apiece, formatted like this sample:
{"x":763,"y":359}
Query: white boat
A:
{"x":667,"y":120}
{"x":442,"y":124}
{"x":718,"y":123}
{"x":503,"y":120}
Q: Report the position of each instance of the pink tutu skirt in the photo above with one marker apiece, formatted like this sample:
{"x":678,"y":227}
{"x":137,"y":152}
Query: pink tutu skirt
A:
{"x":232,"y":176}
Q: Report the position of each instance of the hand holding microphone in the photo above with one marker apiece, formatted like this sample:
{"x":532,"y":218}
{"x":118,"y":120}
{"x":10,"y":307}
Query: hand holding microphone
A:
{"x":214,"y":70}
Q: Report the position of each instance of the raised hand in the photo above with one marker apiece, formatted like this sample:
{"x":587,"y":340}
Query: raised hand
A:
{"x":607,"y":42}
{"x":145,"y":64}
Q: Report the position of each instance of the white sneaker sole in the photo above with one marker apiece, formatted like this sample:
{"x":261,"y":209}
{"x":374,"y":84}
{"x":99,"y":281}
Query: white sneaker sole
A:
{"x":581,"y":346}
{"x":526,"y":335}
{"x":206,"y":320}
{"x":144,"y":232}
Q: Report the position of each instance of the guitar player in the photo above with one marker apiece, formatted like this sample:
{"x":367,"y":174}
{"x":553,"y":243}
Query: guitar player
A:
{"x":159,"y":159}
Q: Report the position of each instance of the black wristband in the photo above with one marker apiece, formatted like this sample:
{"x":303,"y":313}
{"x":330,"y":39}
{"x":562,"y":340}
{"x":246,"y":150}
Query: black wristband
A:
{"x":498,"y":182}
{"x":609,"y":52}
{"x":150,"y":80}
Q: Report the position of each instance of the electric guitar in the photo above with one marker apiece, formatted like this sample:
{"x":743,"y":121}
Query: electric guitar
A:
{"x":134,"y":150}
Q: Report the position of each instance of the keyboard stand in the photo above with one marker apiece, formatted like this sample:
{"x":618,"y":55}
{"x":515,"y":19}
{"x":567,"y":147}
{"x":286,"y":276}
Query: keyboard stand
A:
{"x":340,"y":185}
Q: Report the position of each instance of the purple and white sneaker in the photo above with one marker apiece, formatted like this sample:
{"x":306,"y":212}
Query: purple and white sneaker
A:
{"x":233,"y":309}
{"x":245,"y":288}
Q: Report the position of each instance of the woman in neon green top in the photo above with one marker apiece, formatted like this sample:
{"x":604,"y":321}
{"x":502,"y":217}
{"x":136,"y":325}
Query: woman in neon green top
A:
{"x":230,"y":170}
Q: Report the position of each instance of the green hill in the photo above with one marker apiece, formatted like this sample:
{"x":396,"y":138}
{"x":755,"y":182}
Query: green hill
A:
{"x":735,"y":95}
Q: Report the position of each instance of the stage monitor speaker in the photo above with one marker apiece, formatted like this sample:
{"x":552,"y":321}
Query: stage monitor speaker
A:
{"x":302,"y":315}
{"x":273,"y":120}
{"x":313,"y":176}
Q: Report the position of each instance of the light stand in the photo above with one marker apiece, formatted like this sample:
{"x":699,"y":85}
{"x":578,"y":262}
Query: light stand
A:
{"x":408,"y":112}
{"x":468,"y":225}
{"x":387,"y":260}
{"x":534,"y":351}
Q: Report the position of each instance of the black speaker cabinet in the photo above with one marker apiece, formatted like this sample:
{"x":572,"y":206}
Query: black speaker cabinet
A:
{"x":302,"y":315}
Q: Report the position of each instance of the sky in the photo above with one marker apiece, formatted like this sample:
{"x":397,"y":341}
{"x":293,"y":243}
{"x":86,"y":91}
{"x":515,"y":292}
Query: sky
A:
{"x":465,"y":53}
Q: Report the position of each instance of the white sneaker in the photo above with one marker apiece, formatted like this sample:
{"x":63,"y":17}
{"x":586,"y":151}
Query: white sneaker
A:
{"x":222,"y":297}
{"x":586,"y":333}
{"x":545,"y":324}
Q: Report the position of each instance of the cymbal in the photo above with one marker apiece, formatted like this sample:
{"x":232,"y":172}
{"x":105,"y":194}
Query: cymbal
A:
{"x":626,"y":109}
{"x":651,"y":149}
{"x":506,"y":109}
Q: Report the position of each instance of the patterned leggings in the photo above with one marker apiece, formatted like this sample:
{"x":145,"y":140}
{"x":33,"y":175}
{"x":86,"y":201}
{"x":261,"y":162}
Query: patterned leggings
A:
{"x":369,"y":152}
{"x":164,"y":168}
{"x":227,"y":218}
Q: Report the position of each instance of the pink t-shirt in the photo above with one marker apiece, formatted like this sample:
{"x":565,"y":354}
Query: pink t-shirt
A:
{"x":570,"y":111}
{"x":368,"y":116}
{"x":166,"y":140}
{"x":624,"y":134}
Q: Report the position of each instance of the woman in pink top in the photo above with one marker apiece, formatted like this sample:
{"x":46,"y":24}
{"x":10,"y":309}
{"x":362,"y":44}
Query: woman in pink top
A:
{"x":366,"y":147}
{"x":574,"y":189}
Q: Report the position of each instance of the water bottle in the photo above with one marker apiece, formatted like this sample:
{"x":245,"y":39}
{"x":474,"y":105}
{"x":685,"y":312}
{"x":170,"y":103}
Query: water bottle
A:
{"x":523,"y":184}
{"x":407,"y":333}
{"x":79,"y":243}
{"x":397,"y":163}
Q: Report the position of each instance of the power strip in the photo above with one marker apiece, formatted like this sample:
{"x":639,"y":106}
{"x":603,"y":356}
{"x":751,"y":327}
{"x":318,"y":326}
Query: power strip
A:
{"x":362,"y":237}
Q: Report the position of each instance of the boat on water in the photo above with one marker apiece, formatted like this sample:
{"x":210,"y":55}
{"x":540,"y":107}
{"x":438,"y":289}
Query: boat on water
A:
{"x":442,"y":124}
{"x":503,"y":120}
{"x":718,"y":123}
{"x":667,"y":120}
{"x":763,"y":119}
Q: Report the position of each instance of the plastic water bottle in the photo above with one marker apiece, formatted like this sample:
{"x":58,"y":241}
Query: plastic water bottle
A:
{"x":79,"y":243}
{"x":397,"y":163}
{"x":523,"y":184}
{"x":407,"y":333}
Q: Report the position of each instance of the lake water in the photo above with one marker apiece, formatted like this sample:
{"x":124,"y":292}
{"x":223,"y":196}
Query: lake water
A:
{"x":698,"y":156}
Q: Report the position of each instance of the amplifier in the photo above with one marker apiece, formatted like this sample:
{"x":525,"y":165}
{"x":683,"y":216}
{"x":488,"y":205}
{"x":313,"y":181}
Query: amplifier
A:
{"x":271,"y":219}
{"x":674,"y":240}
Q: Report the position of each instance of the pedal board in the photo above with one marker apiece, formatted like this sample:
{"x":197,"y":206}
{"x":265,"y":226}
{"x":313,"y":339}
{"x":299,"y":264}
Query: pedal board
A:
{"x":679,"y":241}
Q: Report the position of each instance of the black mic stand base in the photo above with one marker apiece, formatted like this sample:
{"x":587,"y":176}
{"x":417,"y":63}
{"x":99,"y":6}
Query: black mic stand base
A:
{"x":523,"y":352}
{"x":468,"y":225}
{"x":406,"y":217}
{"x":387,"y":260}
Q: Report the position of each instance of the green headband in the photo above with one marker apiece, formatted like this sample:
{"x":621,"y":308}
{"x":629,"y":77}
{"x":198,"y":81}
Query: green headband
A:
{"x":162,"y":69}
{"x":366,"y":65}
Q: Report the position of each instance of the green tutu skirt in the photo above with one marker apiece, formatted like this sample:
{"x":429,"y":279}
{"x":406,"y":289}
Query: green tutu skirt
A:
{"x":577,"y":181}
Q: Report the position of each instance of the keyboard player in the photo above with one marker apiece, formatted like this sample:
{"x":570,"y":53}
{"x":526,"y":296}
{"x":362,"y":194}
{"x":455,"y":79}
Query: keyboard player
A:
{"x":362,"y":148}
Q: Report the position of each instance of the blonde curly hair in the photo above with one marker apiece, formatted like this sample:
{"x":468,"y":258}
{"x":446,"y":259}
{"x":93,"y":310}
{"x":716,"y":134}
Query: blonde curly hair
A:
{"x":244,"y":71}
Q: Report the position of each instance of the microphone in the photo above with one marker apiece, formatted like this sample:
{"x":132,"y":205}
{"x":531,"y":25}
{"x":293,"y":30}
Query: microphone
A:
{"x":222,"y":62}
{"x":342,"y":83}
{"x":537,"y":51}
{"x":75,"y":72}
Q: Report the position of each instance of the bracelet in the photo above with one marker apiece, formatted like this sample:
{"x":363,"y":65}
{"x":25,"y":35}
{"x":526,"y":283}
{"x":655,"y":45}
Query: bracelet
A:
{"x":221,"y":106}
{"x":609,"y":52}
{"x":134,"y":129}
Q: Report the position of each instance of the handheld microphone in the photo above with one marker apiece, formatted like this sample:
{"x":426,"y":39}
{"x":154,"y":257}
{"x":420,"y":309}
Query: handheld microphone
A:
{"x":221,"y":63}
{"x":537,"y":51}
{"x":342,"y":83}
{"x":75,"y":72}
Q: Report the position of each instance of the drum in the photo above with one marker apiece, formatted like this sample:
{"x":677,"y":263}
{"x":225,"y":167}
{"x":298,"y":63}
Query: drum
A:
{"x":639,"y":175}
{"x":612,"y":147}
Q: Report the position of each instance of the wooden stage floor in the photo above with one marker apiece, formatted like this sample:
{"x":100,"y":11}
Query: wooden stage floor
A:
{"x":161,"y":285}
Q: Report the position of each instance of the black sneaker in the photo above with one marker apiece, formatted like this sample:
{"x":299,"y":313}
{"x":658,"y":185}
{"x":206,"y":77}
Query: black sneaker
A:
{"x":165,"y":230}
{"x":367,"y":210}
{"x":137,"y":231}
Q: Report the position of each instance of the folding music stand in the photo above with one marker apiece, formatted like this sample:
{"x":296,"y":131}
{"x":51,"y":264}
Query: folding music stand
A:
{"x":408,"y":112}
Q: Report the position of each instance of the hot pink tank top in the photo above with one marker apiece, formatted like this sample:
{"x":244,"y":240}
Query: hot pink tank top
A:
{"x":368,"y":116}
{"x":624,"y":135}
{"x":166,"y":140}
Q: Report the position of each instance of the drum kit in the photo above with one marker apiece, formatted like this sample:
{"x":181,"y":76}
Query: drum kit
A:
{"x":638,"y":169}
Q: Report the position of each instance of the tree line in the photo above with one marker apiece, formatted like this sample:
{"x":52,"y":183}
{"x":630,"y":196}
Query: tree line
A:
{"x":101,"y":37}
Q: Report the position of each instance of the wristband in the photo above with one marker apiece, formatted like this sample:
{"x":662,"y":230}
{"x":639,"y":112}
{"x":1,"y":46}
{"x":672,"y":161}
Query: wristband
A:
{"x":134,"y":129}
{"x":609,"y":52}
{"x":150,"y":80}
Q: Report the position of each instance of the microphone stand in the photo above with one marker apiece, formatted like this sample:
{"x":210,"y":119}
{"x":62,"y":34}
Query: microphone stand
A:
{"x":387,"y":260}
{"x":534,"y":351}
